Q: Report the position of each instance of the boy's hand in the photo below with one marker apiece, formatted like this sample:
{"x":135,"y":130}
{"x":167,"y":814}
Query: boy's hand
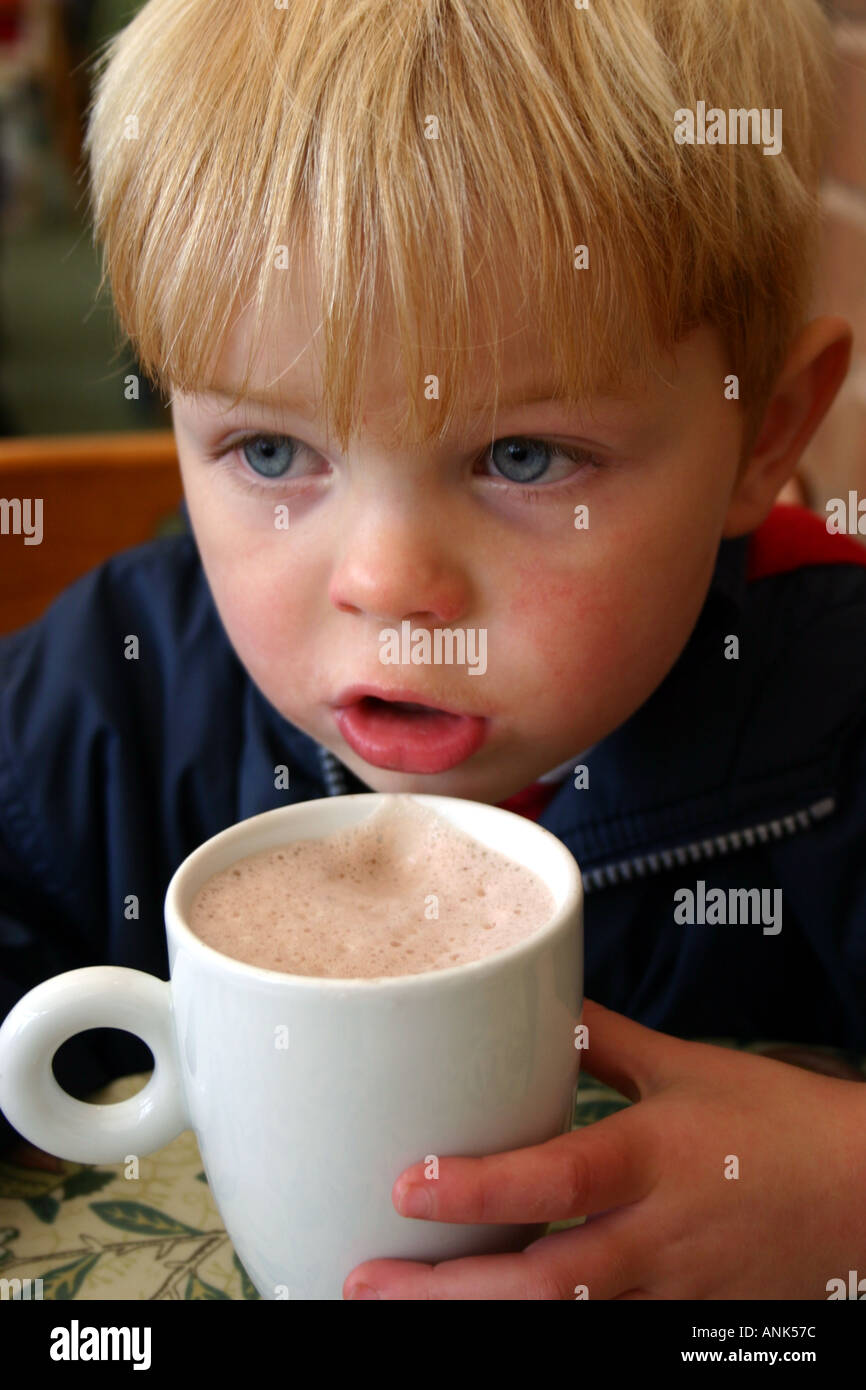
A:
{"x":664,"y":1220}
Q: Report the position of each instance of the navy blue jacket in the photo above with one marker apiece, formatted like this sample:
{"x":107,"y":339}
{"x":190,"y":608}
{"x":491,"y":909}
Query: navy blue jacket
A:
{"x":743,"y":773}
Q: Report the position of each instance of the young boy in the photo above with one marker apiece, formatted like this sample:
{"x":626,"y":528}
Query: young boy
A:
{"x":566,"y":367}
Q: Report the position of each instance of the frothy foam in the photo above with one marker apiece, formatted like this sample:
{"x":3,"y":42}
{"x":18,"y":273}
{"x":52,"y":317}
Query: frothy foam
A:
{"x":361,"y":902}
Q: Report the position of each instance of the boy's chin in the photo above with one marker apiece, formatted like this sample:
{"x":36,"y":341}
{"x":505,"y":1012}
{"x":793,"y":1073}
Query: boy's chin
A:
{"x":466,"y":788}
{"x":456,"y":782}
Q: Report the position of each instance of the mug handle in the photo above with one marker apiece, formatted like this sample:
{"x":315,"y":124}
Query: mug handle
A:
{"x":99,"y":996}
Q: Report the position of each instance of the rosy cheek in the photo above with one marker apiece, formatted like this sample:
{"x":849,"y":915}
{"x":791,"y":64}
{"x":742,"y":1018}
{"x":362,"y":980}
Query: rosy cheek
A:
{"x":548,"y":618}
{"x":578,"y":633}
{"x":256,"y":618}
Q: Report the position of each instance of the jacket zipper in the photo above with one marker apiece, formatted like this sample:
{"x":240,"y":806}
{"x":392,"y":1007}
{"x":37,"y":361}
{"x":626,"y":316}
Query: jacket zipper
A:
{"x":645,"y":865}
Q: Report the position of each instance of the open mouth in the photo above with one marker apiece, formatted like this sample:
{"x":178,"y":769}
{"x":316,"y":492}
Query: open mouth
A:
{"x":404,"y":706}
{"x":404,"y":736}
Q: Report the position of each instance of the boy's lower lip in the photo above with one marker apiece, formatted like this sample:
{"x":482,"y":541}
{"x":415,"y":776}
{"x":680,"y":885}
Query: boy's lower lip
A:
{"x":386,"y":736}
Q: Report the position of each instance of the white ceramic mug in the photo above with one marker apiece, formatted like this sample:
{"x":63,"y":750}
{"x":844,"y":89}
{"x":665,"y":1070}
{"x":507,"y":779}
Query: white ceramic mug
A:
{"x":309,"y":1096}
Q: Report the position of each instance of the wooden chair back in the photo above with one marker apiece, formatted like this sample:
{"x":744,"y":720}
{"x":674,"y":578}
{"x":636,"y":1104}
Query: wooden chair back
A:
{"x":68,"y":502}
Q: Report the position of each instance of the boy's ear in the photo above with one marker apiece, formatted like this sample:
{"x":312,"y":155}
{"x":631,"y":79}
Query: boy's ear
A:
{"x":806,"y":388}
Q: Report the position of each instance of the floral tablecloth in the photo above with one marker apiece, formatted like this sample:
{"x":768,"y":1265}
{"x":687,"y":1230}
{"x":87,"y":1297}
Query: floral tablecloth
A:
{"x":92,"y":1231}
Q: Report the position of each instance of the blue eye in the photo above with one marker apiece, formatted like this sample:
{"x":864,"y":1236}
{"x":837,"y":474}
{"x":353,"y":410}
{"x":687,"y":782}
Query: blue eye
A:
{"x":524,"y":460}
{"x":271,"y":455}
{"x":527,"y":459}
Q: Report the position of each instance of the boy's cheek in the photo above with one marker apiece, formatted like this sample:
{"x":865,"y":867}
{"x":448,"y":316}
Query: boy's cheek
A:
{"x":564,"y":622}
{"x":265,"y":615}
{"x":600,"y":641}
{"x":559,"y":673}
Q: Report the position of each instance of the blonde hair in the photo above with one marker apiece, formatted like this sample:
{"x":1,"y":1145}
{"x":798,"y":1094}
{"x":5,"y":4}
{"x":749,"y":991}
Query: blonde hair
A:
{"x":305,"y":126}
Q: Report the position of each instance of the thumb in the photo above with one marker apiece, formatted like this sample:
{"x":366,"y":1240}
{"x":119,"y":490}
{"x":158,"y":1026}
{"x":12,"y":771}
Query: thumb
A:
{"x":633,"y":1059}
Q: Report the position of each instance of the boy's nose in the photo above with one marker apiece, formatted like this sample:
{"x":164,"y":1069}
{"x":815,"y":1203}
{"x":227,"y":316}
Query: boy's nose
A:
{"x":395,"y":573}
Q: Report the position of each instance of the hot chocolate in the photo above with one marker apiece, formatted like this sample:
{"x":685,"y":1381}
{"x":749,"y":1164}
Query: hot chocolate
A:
{"x":401,"y":893}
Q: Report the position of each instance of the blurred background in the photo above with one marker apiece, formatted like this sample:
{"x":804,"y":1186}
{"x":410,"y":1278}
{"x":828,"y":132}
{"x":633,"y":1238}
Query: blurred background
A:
{"x":61,"y":373}
{"x":58,"y":372}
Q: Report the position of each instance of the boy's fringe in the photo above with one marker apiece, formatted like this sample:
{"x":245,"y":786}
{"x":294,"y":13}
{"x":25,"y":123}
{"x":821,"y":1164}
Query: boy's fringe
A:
{"x":304,"y":127}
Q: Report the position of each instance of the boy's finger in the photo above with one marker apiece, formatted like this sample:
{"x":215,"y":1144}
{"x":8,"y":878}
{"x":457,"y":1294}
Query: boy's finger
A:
{"x":600,"y":1262}
{"x":608,"y":1164}
{"x":634,"y":1060}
